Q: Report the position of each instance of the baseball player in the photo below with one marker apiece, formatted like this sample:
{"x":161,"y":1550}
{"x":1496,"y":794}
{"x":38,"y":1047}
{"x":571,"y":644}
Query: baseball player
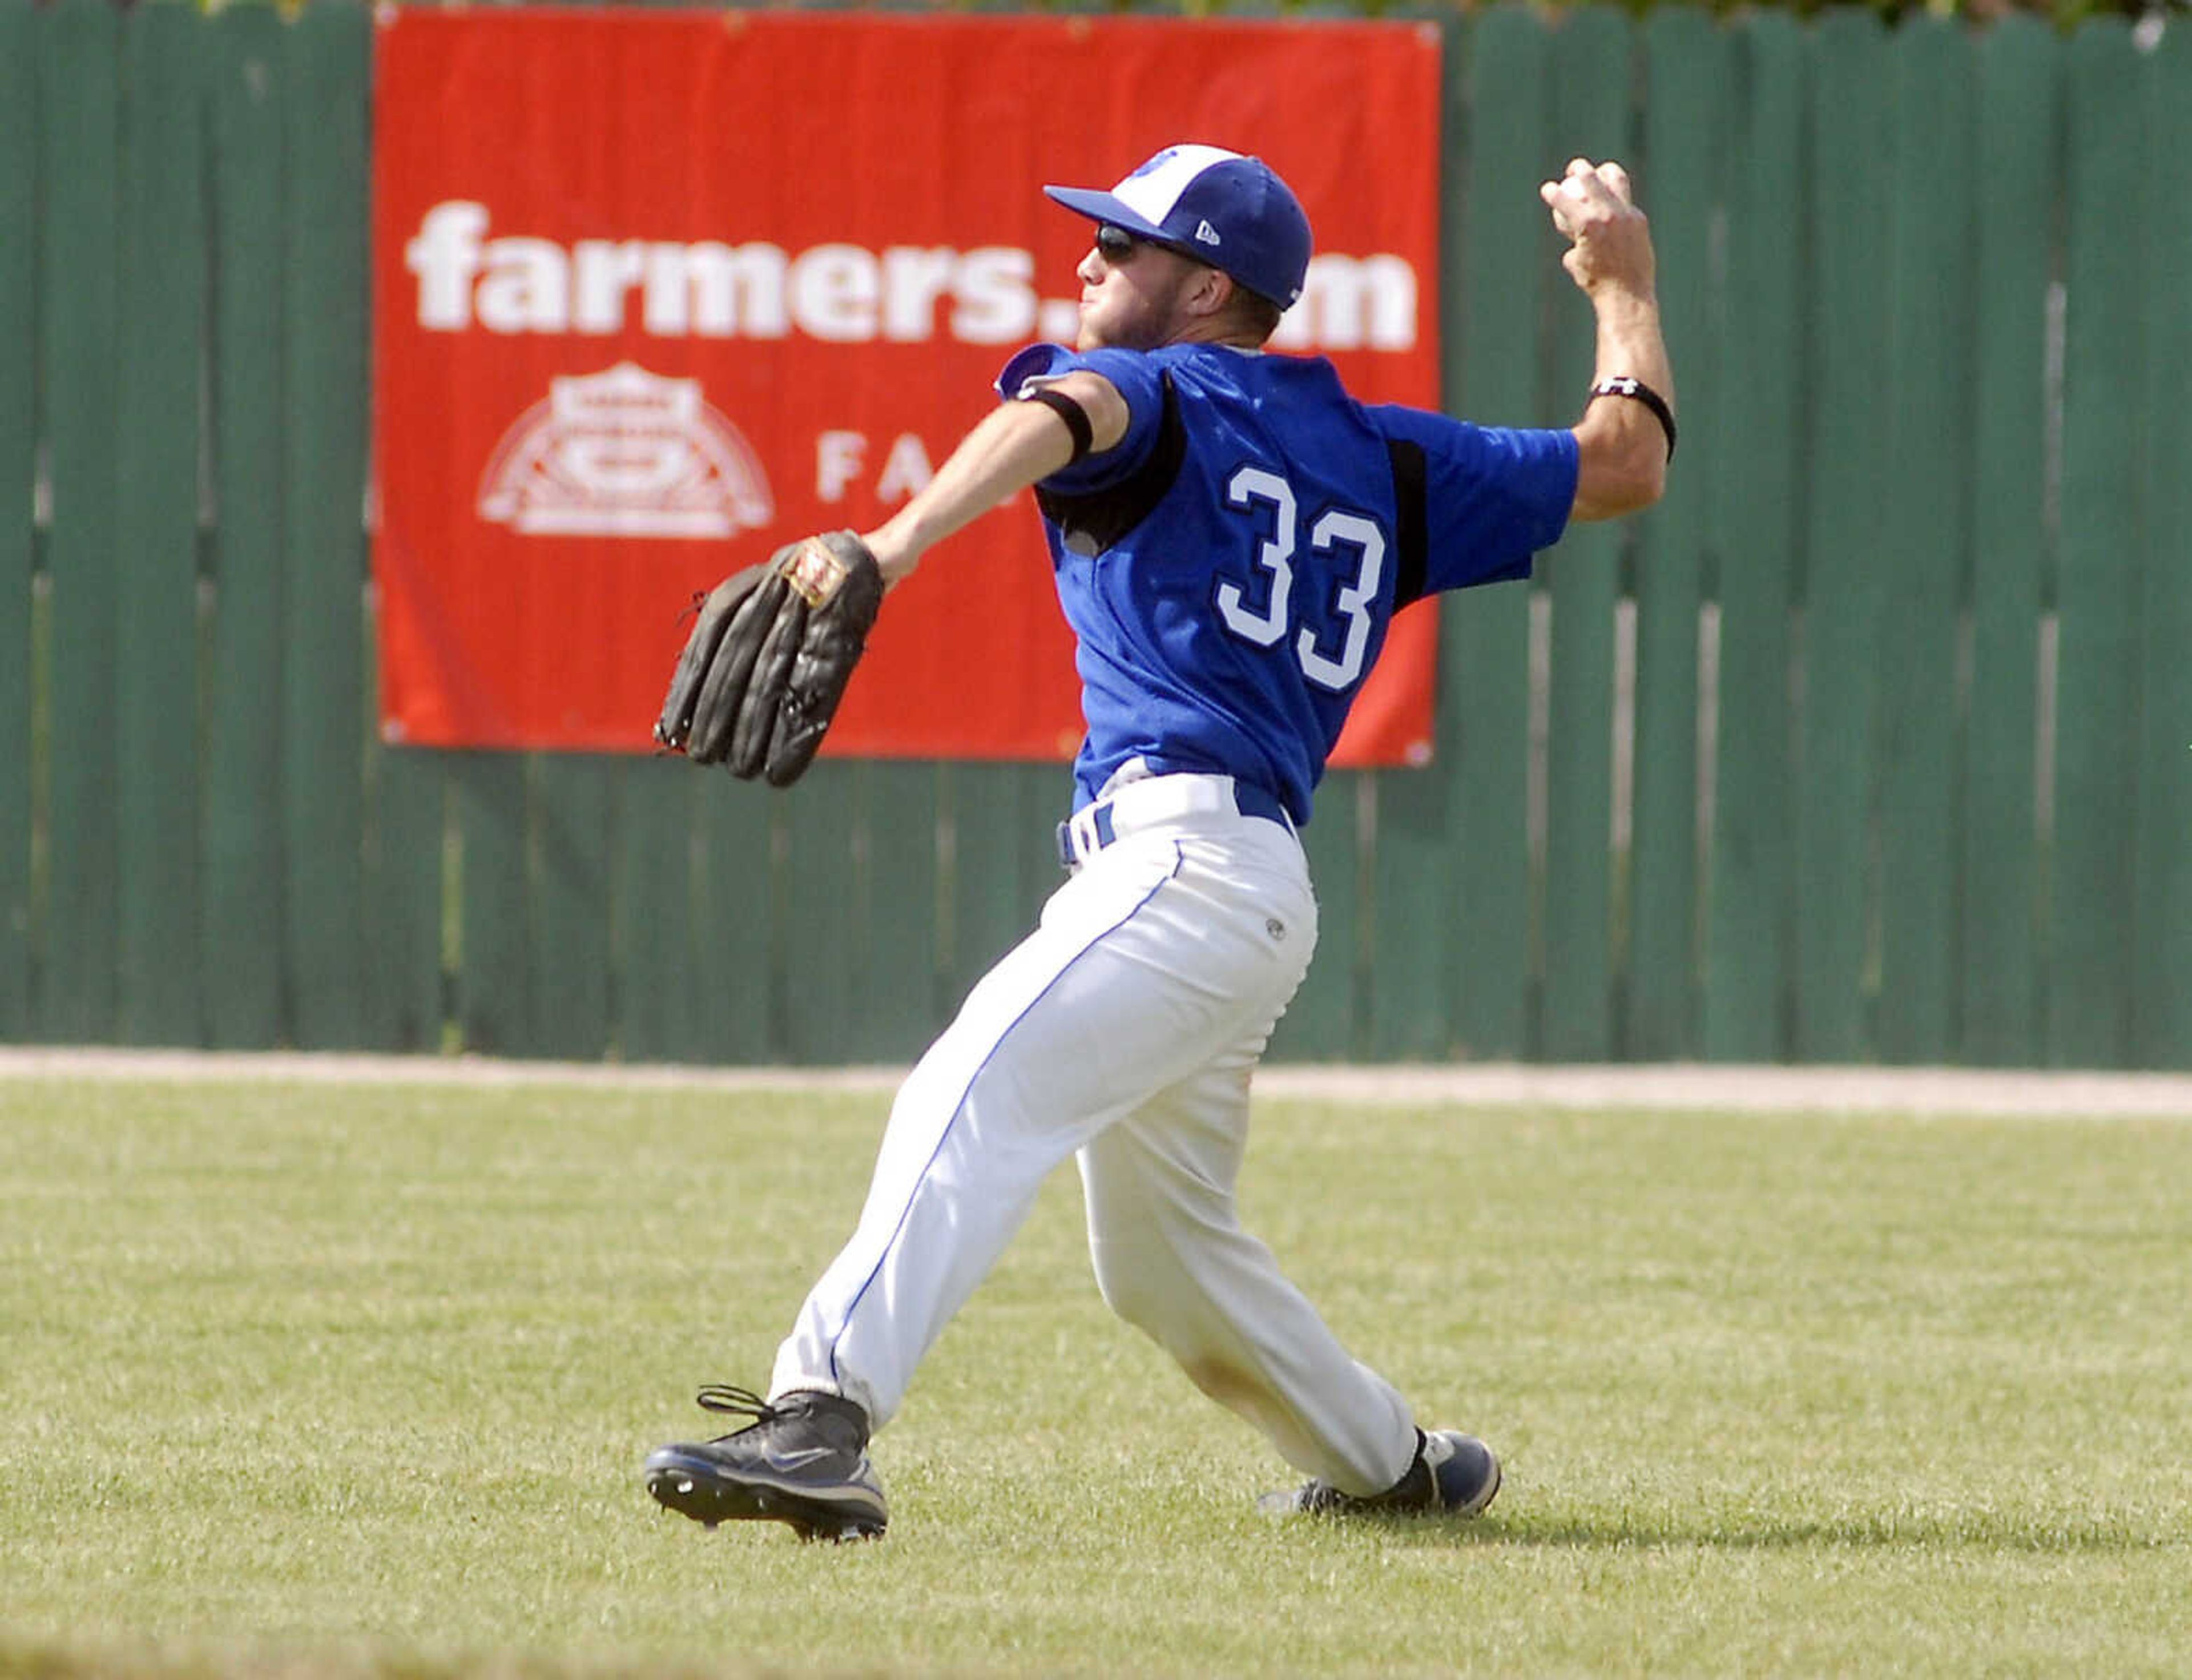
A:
{"x":1231,"y":534}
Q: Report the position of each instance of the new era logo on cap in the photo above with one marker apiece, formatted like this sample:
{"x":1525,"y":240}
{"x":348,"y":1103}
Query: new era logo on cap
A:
{"x":1231,"y":211}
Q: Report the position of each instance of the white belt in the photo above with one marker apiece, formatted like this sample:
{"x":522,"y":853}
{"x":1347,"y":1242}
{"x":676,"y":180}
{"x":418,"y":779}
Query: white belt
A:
{"x":1156,"y":800}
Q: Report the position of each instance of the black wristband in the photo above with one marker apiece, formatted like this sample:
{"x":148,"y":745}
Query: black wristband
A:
{"x":1621,"y":385}
{"x":1074,"y":416}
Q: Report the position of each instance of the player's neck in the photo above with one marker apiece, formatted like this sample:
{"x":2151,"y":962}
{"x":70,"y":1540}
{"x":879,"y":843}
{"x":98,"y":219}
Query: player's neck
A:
{"x":1207,"y":330}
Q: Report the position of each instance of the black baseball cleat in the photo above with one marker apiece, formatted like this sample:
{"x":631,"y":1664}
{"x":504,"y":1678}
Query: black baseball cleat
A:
{"x":803,"y":1461}
{"x":1453,"y":1474}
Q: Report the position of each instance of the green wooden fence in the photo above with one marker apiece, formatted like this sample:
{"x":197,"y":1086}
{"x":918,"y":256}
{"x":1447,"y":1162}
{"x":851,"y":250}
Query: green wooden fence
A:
{"x":1874,"y":741}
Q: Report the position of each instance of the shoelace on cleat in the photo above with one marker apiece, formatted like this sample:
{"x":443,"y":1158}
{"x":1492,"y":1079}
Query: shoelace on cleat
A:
{"x":739,"y":1403}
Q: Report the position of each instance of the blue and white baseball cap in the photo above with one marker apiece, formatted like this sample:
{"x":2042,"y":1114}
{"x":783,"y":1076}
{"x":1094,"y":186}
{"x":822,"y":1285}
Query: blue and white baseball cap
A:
{"x":1231,"y":212}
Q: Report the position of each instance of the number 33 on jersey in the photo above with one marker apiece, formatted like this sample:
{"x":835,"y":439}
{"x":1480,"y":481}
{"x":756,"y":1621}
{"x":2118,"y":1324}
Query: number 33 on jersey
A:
{"x":1336,"y":533}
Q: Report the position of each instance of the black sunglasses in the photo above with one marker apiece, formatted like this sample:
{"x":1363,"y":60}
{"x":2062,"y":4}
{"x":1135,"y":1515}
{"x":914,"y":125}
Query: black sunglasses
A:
{"x":1116,"y":243}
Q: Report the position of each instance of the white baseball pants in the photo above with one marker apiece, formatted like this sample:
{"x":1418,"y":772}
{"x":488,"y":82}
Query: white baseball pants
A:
{"x":1123,"y":1030}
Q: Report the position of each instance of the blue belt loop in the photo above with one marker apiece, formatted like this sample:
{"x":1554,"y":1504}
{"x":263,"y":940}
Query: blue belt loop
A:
{"x":1104,"y":832}
{"x":1253,"y":801}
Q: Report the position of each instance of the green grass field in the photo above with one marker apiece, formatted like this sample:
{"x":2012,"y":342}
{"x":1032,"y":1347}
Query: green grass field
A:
{"x":303,"y":1379}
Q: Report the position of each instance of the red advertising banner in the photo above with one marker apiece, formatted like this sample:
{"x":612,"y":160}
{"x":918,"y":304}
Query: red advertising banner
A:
{"x":657,"y":292}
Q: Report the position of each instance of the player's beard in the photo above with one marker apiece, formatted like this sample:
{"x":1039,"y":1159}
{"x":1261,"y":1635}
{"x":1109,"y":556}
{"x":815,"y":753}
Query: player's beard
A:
{"x":1145,"y":320}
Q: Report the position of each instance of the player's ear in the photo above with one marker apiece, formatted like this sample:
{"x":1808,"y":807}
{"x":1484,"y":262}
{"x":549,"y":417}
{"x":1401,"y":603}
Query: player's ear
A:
{"x":1212,"y":292}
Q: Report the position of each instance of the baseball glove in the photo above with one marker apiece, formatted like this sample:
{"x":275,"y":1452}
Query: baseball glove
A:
{"x":771,"y":651}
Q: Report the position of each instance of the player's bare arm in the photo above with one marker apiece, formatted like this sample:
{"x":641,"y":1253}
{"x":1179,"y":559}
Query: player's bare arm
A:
{"x":1016,"y":445}
{"x":1622,"y":448}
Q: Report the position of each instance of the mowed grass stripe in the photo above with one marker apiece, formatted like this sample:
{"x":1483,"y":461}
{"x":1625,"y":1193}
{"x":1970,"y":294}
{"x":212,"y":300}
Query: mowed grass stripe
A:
{"x":315,"y":1378}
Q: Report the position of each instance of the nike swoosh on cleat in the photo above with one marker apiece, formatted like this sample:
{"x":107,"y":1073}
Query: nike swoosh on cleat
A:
{"x":791,"y":1463}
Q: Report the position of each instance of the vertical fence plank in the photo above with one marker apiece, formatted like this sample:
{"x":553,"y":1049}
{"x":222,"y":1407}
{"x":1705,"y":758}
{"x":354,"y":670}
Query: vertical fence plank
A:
{"x":1591,"y":83}
{"x":2161,"y":1024}
{"x":1849,"y":370}
{"x":78,"y":324}
{"x":1750,"y":882}
{"x":2018,"y":127}
{"x":493,"y":999}
{"x":1406,"y":982}
{"x":18,"y":152}
{"x":1924,"y":532}
{"x":161,"y":298}
{"x":403,"y":873}
{"x":324,"y":344}
{"x":1688,"y":63}
{"x":2097,"y":734}
{"x":413,"y":820}
{"x":1487,"y":630}
{"x":735,"y":916}
{"x":568,"y":817}
{"x":242,"y":916}
{"x":654,"y":947}
{"x":896,"y":1009}
{"x":821,"y":896}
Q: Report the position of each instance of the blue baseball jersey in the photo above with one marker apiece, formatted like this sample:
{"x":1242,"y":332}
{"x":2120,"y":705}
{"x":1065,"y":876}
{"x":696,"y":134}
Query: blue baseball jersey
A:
{"x":1230,"y":567}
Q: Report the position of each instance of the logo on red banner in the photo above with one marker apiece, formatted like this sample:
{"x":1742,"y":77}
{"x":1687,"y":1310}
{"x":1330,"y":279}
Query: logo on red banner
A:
{"x":618,"y":358}
{"x":624,"y":454}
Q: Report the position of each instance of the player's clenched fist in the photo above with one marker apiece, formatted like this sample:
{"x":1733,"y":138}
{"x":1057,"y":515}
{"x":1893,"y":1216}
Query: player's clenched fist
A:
{"x":1610,"y":240}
